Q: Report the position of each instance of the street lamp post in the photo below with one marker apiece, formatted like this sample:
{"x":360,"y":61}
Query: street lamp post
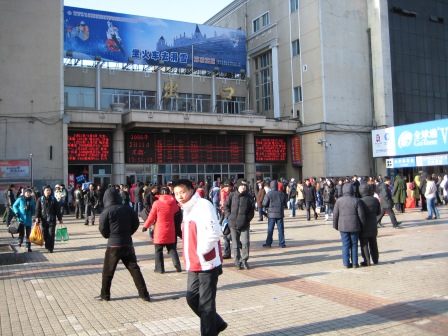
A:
{"x":31,"y":170}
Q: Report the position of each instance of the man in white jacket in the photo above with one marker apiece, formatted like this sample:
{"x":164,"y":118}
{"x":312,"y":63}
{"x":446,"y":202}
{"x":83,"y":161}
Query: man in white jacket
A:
{"x":202,"y":255}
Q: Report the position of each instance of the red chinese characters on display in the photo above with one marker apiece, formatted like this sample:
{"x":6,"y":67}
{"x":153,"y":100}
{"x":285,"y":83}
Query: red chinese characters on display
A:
{"x":270,"y":149}
{"x":183,"y":148}
{"x":89,"y":147}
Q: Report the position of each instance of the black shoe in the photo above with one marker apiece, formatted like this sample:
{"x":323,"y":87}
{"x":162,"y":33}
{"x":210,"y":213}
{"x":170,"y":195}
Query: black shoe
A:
{"x":86,"y":223}
{"x":145,"y":298}
{"x":102,"y":298}
{"x":29,"y":249}
{"x":266,"y":245}
{"x":222,"y":327}
{"x":160,"y":272}
{"x":227,"y":257}
{"x":245,"y":265}
{"x":349,"y":266}
{"x":51,"y":251}
{"x":356,"y":266}
{"x":316,"y":216}
{"x":283,"y":246}
{"x":364,"y":263}
{"x":178,"y":268}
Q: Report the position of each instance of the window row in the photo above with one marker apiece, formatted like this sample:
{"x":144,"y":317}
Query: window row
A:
{"x":83,"y":97}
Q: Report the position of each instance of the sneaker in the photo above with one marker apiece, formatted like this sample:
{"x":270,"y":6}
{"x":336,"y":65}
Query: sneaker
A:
{"x":266,"y":245}
{"x":222,"y":327}
{"x":145,"y":298}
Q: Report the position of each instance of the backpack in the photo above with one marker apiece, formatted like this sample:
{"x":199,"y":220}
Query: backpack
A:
{"x":293,"y":192}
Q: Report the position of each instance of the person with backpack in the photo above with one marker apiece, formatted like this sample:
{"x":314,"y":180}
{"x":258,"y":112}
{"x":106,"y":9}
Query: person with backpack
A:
{"x":291,"y":190}
{"x":47,"y":210}
{"x":328,"y":198}
{"x":24,"y":207}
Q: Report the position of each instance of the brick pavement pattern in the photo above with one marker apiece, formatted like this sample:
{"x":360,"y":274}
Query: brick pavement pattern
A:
{"x":299,"y":290}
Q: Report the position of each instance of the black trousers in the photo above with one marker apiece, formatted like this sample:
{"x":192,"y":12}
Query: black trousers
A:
{"x":369,"y":248}
{"x":309,"y":205}
{"x":127,"y":255}
{"x":391,"y":214}
{"x":158,"y":256}
{"x":48,"y":231}
{"x":201,"y":297}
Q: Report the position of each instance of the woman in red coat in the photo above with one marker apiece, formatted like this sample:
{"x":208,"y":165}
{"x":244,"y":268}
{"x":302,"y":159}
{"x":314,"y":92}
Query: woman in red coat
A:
{"x":162,"y":215}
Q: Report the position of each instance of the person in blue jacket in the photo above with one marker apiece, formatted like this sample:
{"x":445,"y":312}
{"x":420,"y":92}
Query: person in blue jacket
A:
{"x":24,"y":208}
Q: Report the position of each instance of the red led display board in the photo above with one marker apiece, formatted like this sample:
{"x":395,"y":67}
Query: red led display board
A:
{"x":296,"y":154}
{"x":89,"y":147}
{"x":164,"y":148}
{"x":270,"y":149}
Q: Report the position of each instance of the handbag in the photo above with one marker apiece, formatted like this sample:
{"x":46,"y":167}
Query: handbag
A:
{"x":61,"y":233}
{"x":15,"y":226}
{"x":143,"y":214}
{"x":36,"y":234}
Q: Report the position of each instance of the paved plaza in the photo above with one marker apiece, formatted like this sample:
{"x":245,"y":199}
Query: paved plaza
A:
{"x":299,"y":290}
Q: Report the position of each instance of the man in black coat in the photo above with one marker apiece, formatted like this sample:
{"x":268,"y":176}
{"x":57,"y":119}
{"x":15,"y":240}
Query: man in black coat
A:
{"x":239,"y":211}
{"x":387,"y":203}
{"x":47,"y":210}
{"x":275,"y":202}
{"x":367,"y":237}
{"x":310,"y":197}
{"x":118,"y":222}
{"x":348,"y":219}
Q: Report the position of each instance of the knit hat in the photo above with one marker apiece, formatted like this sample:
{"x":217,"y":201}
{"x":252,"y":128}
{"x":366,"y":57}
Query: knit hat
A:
{"x":240,"y":182}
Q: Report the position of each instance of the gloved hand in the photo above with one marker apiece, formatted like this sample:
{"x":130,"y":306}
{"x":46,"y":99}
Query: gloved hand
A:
{"x":144,"y":229}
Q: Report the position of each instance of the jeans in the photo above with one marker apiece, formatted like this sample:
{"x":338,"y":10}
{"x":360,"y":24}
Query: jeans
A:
{"x":240,"y":237}
{"x":261,"y":212}
{"x":138,"y":206}
{"x":201,"y":298}
{"x":159,"y":260}
{"x":329,"y":208}
{"x":292,"y":206}
{"x":127,"y":255}
{"x":431,"y":205}
{"x":350,"y":248}
{"x":48,"y":230}
{"x":216,"y":206}
{"x":280,"y":228}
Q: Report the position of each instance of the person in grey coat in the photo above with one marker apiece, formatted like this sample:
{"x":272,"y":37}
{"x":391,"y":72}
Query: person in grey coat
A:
{"x":367,"y":237}
{"x":348,"y":219}
{"x":275,"y":202}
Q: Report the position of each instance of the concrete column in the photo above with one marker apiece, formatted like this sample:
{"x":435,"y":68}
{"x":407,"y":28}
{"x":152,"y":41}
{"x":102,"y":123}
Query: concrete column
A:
{"x":118,"y":167}
{"x":214,"y":109}
{"x":275,"y":83}
{"x":65,"y":153}
{"x":159,"y":90}
{"x":249,"y":156}
{"x":98,"y":86}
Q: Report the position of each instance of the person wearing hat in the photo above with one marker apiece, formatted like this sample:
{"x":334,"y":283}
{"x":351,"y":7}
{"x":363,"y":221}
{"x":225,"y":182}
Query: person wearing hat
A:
{"x":24,"y":207}
{"x":387,"y":203}
{"x":239,"y":211}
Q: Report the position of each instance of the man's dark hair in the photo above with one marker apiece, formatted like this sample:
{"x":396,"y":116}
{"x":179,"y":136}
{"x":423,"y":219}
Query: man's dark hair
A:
{"x":184,"y":182}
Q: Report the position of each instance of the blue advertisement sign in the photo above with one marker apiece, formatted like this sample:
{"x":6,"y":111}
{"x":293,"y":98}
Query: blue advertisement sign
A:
{"x":402,"y":162}
{"x":118,"y":37}
{"x":421,"y":138}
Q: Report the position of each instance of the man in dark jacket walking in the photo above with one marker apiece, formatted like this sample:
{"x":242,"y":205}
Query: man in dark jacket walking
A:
{"x":47,"y":210}
{"x":118,"y":223}
{"x":309,"y":194}
{"x":275,"y":202}
{"x":239,"y":210}
{"x":367,"y":237}
{"x":348,"y":219}
{"x":387,"y":203}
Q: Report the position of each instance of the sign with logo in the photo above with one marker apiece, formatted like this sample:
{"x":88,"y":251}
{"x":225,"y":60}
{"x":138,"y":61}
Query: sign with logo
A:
{"x":14,"y":169}
{"x":432,"y":160}
{"x":404,"y":162}
{"x":107,"y":36}
{"x":421,"y":138}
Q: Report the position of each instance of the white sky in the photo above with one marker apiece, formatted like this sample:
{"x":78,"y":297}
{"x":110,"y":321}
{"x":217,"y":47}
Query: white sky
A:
{"x":195,"y":11}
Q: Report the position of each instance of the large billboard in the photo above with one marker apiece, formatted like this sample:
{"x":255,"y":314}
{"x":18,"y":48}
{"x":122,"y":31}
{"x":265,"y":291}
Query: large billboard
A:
{"x":422,"y":138}
{"x":91,"y":34}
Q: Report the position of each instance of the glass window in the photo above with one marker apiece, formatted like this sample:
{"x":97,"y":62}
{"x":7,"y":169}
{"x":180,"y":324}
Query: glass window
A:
{"x":236,"y":168}
{"x":263,"y":83}
{"x":295,"y":48}
{"x":132,"y":99}
{"x":294,"y":5}
{"x":175,"y":168}
{"x":79,"y":97}
{"x":102,"y":169}
{"x":297,"y":94}
{"x":265,"y":19}
{"x":191,"y":169}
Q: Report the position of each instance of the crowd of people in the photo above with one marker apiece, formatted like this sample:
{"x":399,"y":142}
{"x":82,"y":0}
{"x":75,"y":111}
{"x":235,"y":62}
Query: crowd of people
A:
{"x":201,"y":214}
